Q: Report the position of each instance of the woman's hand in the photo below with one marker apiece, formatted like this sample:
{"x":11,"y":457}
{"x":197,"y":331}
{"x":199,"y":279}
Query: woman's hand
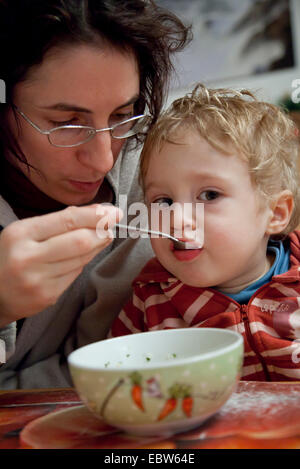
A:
{"x":41,"y":256}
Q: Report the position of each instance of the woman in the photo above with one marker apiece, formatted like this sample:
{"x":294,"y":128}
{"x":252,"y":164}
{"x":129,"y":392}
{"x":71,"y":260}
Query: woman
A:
{"x":70,"y":63}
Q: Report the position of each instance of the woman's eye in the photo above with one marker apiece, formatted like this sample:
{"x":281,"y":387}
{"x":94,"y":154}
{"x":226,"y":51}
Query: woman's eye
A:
{"x":163,"y":201}
{"x":117,"y":118}
{"x":209,"y":195}
{"x":61,"y":123}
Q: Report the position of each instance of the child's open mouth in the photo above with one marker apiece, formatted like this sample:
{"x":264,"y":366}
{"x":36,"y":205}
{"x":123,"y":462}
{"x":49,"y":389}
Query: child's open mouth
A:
{"x":187,"y":254}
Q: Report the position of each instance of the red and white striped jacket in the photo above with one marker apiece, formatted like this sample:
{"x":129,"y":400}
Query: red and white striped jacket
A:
{"x":269,"y":323}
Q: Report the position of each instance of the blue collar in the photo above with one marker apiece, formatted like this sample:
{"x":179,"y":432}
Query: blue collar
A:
{"x":279,"y":266}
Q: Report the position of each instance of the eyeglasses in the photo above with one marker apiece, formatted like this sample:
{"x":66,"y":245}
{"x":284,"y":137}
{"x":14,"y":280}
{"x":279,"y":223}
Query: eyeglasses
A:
{"x":67,"y":136}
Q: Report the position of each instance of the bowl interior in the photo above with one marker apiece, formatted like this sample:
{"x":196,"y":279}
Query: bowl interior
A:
{"x":155,"y":349}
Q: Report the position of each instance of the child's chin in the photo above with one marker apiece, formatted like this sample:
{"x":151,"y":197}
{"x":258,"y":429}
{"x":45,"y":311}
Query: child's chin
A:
{"x":192,"y":281}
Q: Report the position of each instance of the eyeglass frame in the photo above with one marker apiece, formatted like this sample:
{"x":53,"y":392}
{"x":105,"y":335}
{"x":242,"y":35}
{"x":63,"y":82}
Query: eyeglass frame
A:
{"x":72,"y":126}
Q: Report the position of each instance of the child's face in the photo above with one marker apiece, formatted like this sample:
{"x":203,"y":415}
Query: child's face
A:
{"x":235,"y":239}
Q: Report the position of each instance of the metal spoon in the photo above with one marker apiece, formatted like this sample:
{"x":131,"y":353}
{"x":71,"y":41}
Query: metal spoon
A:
{"x":181,"y":245}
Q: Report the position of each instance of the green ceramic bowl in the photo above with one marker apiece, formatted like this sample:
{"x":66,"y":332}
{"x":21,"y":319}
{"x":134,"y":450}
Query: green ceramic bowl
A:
{"x":158,"y":382}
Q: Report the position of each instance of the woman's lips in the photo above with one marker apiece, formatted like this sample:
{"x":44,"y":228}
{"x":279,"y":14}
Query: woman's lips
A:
{"x":86,"y":186}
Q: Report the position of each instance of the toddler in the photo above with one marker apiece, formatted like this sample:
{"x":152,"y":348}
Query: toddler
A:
{"x":237,"y":156}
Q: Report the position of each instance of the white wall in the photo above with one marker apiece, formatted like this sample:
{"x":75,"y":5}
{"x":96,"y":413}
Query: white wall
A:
{"x":270,"y":86}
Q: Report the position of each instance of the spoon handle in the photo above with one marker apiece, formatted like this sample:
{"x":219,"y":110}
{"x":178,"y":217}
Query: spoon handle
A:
{"x":144,"y":230}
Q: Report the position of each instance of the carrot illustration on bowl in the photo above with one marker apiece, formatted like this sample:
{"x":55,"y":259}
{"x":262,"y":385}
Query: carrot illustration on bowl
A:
{"x":187,"y":401}
{"x":136,"y":390}
{"x":169,"y":406}
{"x":171,"y":402}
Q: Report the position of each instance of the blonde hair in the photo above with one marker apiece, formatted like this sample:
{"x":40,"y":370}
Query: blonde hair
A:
{"x":228,"y":119}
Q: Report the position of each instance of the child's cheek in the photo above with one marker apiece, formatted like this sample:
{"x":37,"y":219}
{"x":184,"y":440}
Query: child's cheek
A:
{"x":219,"y":232}
{"x":159,"y":247}
{"x":154,"y":245}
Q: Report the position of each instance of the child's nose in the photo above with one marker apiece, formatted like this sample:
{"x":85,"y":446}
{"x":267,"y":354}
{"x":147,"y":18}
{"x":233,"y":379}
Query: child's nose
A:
{"x":184,"y":219}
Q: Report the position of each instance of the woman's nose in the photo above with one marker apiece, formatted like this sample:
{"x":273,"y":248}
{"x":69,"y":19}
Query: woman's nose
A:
{"x":97,"y":153}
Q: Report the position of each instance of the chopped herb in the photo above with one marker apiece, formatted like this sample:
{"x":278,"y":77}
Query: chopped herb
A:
{"x":106,"y":364}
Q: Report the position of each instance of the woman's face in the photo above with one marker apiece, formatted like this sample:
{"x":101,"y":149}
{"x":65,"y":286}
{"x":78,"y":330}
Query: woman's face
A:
{"x":79,"y":85}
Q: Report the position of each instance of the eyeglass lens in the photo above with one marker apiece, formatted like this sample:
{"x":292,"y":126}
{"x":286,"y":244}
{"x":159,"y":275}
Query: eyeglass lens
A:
{"x":66,"y":136}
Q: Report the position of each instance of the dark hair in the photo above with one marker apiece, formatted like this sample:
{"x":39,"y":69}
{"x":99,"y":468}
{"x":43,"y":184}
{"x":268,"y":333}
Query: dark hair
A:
{"x":30,"y":28}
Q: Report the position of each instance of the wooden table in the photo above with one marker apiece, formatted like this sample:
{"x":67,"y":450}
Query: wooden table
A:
{"x":258,"y":415}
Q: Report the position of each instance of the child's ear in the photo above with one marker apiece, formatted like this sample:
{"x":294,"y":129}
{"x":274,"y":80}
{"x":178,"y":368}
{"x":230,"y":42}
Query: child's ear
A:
{"x":281,"y":212}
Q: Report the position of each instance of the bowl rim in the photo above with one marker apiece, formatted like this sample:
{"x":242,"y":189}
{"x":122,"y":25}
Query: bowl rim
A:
{"x":159,"y":364}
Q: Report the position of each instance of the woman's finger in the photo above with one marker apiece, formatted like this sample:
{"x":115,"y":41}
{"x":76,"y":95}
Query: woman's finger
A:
{"x":64,"y":267}
{"x":71,"y":245}
{"x":44,"y":227}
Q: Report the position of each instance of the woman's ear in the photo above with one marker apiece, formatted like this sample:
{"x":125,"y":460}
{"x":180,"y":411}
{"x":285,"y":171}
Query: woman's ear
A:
{"x":281,"y":211}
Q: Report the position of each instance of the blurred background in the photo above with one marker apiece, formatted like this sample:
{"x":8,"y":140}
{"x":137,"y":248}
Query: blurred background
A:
{"x":252,"y":44}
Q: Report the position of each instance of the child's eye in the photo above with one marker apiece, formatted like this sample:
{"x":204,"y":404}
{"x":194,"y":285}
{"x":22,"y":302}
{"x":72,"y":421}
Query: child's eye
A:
{"x":163,"y":201}
{"x":209,"y":195}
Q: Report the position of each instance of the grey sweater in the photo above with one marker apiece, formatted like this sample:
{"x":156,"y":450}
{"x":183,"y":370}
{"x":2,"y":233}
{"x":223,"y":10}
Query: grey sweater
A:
{"x":36,"y":357}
